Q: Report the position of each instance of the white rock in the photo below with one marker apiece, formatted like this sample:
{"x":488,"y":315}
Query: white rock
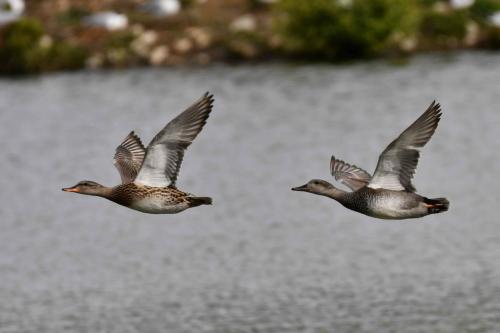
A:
{"x":94,"y":61}
{"x":11,"y":10}
{"x":159,"y":55}
{"x":137,"y":29}
{"x":142,"y":44}
{"x":163,"y":7}
{"x":457,"y":4}
{"x":473,"y":34}
{"x":140,"y":48}
{"x":107,"y":20}
{"x":183,"y":45}
{"x":408,"y":44}
{"x":46,"y":42}
{"x":244,"y":23}
{"x":495,"y":19}
{"x":149,"y":37}
{"x":201,"y":37}
{"x":345,"y":3}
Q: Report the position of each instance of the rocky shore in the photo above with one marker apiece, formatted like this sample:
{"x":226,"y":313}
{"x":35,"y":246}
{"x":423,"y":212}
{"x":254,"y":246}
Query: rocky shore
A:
{"x":54,"y":35}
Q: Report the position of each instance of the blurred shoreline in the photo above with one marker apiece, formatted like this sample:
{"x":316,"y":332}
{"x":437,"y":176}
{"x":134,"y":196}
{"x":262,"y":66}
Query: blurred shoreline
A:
{"x":58,"y":35}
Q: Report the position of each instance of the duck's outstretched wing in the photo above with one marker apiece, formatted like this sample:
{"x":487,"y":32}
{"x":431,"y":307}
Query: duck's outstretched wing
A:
{"x":349,"y":175}
{"x":165,"y":152}
{"x":397,"y":163}
{"x":128,"y":158}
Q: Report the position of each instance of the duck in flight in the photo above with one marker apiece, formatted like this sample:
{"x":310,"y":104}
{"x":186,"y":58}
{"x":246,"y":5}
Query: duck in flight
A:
{"x":149,"y":175}
{"x":389,"y":193}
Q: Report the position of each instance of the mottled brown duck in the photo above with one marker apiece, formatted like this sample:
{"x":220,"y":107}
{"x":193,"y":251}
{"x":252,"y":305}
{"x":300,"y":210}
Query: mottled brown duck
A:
{"x":149,"y":175}
{"x":389,"y":193}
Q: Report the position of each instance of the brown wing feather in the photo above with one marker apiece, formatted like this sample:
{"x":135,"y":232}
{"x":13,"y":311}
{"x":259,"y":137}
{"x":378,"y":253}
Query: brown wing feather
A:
{"x":128,"y":157}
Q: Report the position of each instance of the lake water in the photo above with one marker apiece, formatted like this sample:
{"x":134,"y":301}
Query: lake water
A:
{"x":262,"y":258}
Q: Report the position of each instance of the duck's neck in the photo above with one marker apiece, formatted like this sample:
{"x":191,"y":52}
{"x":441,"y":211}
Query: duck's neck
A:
{"x":335,"y":194}
{"x":104,"y":191}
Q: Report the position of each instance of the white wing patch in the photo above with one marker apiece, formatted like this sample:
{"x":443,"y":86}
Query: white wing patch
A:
{"x":152,"y":172}
{"x":165,"y":152}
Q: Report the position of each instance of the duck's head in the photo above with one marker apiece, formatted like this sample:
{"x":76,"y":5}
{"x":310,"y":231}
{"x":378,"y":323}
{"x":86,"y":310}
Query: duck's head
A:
{"x":86,"y":187}
{"x":315,"y":186}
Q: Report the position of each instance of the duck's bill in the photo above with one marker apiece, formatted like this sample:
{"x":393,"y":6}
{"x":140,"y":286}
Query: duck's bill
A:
{"x":300,"y":188}
{"x":71,"y":189}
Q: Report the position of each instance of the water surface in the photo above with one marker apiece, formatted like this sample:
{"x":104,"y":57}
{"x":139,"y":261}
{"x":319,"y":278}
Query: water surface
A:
{"x":262,"y":258}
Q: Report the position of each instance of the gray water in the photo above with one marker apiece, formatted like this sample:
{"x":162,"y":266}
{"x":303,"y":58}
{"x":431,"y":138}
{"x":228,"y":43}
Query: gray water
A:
{"x":262,"y":258}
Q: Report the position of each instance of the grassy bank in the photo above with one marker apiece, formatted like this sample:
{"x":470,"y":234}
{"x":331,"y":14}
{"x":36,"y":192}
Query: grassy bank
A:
{"x":52,"y":35}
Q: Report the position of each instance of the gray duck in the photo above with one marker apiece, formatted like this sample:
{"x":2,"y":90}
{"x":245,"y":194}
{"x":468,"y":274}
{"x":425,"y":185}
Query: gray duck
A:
{"x":389,"y":193}
{"x":149,"y":175}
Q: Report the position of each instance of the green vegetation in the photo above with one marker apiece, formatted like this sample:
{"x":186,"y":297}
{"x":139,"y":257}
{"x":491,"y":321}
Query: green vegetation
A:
{"x":24,"y":48}
{"x":439,"y":26}
{"x":349,"y":29}
{"x":65,"y":56}
{"x":481,"y":10}
{"x":20,"y":51}
{"x":205,"y":32}
{"x":120,"y":39}
{"x":186,"y":3}
{"x":326,"y":29}
{"x":72,"y":16}
{"x":246,"y":45}
{"x":6,"y":7}
{"x":492,"y":41}
{"x":428,"y":2}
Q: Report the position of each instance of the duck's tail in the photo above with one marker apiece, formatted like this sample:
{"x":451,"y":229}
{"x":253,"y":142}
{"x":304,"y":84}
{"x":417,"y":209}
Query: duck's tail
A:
{"x":437,"y":205}
{"x":198,"y":201}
